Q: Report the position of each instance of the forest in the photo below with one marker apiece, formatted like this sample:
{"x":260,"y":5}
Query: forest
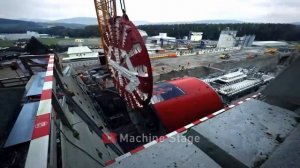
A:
{"x":287,"y":32}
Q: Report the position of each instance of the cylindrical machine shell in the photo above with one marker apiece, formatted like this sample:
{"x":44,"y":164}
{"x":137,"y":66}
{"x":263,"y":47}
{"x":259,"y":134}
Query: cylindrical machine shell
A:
{"x":198,"y":100}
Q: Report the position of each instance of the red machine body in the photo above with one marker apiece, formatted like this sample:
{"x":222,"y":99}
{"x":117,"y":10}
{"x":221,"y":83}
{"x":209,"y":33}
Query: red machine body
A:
{"x":182,"y":101}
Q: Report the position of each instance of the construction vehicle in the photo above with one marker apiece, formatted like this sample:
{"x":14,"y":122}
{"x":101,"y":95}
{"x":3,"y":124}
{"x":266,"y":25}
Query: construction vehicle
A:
{"x":251,"y":56}
{"x":225,"y":56}
{"x":271,"y":51}
{"x":298,"y":47}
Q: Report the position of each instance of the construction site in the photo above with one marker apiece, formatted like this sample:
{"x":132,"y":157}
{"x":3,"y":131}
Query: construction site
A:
{"x":151,"y":101}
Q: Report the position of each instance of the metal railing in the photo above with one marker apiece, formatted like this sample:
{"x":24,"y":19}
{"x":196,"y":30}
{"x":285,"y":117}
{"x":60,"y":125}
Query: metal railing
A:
{"x":30,"y":63}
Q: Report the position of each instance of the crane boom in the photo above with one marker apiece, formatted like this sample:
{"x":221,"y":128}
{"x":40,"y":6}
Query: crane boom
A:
{"x":105,"y":9}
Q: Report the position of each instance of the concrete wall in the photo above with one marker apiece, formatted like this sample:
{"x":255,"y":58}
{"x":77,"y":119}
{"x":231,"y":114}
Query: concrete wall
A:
{"x":284,"y":90}
{"x":198,"y":72}
{"x":206,"y":51}
{"x":268,"y":64}
{"x":261,"y":63}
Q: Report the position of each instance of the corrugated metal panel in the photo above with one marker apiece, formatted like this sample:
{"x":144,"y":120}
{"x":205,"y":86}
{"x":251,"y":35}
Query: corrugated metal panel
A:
{"x":22,"y":130}
{"x":37,"y":85}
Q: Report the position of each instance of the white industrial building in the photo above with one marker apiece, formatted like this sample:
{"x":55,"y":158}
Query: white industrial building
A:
{"x":227,"y":39}
{"x":245,"y":41}
{"x":270,"y":43}
{"x":196,"y":36}
{"x":161,"y":37}
{"x":27,"y":35}
{"x":80,"y":52}
{"x":143,"y":34}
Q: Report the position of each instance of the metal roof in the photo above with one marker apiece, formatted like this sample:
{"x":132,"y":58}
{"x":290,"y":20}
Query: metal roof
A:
{"x":79,"y":49}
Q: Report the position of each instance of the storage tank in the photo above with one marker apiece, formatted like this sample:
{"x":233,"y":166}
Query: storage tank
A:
{"x":181,"y":101}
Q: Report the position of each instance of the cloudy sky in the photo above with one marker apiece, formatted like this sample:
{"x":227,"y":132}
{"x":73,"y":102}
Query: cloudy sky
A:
{"x":160,"y":10}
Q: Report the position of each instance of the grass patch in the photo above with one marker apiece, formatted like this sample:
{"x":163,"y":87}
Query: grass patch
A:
{"x":6,"y":43}
{"x":46,"y":41}
{"x":53,"y":41}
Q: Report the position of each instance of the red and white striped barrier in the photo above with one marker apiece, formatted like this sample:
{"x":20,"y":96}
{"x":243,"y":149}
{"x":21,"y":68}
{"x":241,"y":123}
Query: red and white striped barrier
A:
{"x":182,"y":129}
{"x":38,"y":150}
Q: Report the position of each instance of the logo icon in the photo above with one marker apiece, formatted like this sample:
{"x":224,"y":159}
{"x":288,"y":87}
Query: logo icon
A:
{"x":41,"y":124}
{"x":109,"y":137}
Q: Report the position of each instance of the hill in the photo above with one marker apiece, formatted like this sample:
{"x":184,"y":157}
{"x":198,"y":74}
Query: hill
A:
{"x":198,"y":22}
{"x":20,"y":26}
{"x":78,"y":20}
{"x":93,"y":21}
{"x":16,"y":26}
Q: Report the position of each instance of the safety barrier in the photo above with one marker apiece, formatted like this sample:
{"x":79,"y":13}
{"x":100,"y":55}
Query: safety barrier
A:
{"x":180,"y":130}
{"x":38,"y":150}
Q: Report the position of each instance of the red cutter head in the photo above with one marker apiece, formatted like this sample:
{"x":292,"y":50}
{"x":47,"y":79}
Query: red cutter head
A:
{"x":129,"y":62}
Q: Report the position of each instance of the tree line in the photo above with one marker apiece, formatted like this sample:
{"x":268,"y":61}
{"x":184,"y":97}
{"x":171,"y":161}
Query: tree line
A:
{"x":287,"y":32}
{"x":87,"y":31}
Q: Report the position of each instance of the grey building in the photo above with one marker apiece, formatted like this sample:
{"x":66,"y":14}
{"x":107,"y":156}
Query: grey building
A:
{"x":227,"y":39}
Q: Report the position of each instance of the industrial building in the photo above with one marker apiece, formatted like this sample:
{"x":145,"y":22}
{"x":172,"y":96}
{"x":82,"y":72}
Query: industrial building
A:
{"x":80,"y":56}
{"x":26,"y":35}
{"x":270,"y":43}
{"x":227,"y":39}
{"x":247,"y":40}
{"x":143,"y":34}
{"x":161,"y":38}
{"x":195,"y":36}
{"x":80,"y":52}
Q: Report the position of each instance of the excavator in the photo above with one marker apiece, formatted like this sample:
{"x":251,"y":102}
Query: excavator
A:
{"x":271,"y":51}
{"x":298,"y":47}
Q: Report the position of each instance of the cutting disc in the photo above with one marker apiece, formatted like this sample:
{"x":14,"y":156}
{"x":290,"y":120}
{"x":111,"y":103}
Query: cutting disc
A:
{"x":129,"y":62}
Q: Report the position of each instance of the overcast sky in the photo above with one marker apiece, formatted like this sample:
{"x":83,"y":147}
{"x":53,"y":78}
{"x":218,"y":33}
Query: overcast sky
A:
{"x":160,"y":10}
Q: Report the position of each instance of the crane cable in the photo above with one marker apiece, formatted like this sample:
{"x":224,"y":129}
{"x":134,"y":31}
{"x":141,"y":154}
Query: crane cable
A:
{"x":123,"y":7}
